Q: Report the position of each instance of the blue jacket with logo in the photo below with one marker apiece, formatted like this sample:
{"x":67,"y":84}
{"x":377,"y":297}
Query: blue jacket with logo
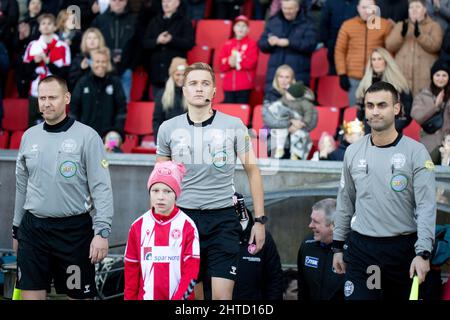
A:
{"x":316,"y":278}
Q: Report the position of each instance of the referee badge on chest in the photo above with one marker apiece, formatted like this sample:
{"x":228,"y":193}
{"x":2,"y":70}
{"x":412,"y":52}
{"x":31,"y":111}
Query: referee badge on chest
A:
{"x":219,"y":159}
{"x":399,"y":182}
{"x":68,"y":169}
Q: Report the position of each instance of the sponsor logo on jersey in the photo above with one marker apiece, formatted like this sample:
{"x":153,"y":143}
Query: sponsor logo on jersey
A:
{"x":34,"y":148}
{"x":148,"y":253}
{"x":68,"y":169}
{"x":175,"y":234}
{"x":348,"y":288}
{"x":398,"y":160}
{"x":362,"y":163}
{"x":69,"y":145}
{"x":220,"y":159}
{"x":429,"y":165}
{"x":399,"y":182}
{"x":311,"y":262}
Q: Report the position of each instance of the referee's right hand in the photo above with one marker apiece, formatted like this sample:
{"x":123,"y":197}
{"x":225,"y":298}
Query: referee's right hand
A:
{"x":338,"y":263}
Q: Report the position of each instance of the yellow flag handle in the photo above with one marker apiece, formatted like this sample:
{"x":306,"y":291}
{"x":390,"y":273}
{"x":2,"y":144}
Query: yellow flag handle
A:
{"x":414,"y":295}
{"x":17,"y":294}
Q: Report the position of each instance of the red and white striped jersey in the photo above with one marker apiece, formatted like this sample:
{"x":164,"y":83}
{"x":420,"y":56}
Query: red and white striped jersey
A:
{"x":57,"y":51}
{"x":162,"y":257}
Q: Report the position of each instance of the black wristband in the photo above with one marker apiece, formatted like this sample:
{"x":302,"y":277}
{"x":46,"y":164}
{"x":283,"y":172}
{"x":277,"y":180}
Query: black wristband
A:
{"x":14,"y":232}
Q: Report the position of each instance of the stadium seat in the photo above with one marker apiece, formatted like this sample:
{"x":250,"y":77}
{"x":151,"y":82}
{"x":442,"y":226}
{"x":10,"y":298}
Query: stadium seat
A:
{"x":319,"y":66}
{"x":11,"y":87}
{"x":350,"y":113}
{"x":4,"y":139}
{"x":139,"y":122}
{"x":257,"y":94}
{"x":213,"y":33}
{"x":147,"y":145}
{"x":15,"y":114}
{"x":16,"y":137}
{"x":257,"y":119}
{"x":138,"y":84}
{"x":256,"y":29}
{"x":328,"y":120}
{"x":329,"y":92}
{"x":139,"y":119}
{"x":238,"y":110}
{"x":199,"y":54}
{"x":219,"y":97}
{"x":413,"y":130}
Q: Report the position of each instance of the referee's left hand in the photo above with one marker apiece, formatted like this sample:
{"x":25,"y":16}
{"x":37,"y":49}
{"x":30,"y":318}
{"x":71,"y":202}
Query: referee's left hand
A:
{"x":258,"y":235}
{"x":99,"y":249}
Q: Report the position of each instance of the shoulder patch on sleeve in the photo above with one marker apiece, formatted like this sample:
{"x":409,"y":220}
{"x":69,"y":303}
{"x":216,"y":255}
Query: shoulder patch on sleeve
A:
{"x":429,"y":165}
{"x":104,"y":163}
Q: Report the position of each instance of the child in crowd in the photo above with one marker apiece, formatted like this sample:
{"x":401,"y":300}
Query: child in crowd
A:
{"x":49,"y":55}
{"x":293,"y":114}
{"x":162,"y":257}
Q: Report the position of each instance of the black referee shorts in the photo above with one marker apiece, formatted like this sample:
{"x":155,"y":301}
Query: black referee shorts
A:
{"x":392,"y":256}
{"x":56,"y":249}
{"x":219,"y":231}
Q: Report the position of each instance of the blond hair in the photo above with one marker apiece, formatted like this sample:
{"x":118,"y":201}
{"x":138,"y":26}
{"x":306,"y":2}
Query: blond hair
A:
{"x":283,"y":67}
{"x":200,"y":66}
{"x":168,"y":97}
{"x":391,"y":74}
{"x":104,"y":51}
{"x":101,"y":42}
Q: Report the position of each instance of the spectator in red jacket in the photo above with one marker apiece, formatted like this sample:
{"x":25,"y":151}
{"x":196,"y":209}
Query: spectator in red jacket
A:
{"x":238,"y":58}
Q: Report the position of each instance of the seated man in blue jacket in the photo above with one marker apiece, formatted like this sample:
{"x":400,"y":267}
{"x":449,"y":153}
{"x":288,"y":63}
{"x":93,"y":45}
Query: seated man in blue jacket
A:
{"x":316,"y":277}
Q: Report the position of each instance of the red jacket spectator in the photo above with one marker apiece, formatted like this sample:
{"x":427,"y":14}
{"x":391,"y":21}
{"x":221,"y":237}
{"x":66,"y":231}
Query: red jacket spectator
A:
{"x":243,"y":78}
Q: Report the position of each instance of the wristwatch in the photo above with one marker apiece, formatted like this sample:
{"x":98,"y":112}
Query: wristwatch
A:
{"x":424,"y":254}
{"x":261,"y":219}
{"x":104,"y":233}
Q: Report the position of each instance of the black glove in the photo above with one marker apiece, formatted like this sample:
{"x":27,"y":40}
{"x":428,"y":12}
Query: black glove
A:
{"x":344,"y":82}
{"x":416,"y":29}
{"x":405,"y":28}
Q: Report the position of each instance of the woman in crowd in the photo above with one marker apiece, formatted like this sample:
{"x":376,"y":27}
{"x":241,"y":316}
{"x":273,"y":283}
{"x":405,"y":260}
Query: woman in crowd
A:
{"x":284,"y":77}
{"x":382,"y":67}
{"x":238,"y":59}
{"x":92,"y":40}
{"x":169,"y":102}
{"x":431,"y":107}
{"x":67,"y":31}
{"x":416,"y":43}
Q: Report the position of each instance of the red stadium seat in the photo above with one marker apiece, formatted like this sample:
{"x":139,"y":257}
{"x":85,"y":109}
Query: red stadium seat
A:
{"x":139,"y":119}
{"x":319,"y":66}
{"x":329,"y":92}
{"x":213,"y":33}
{"x":256,"y":29}
{"x":4,"y":139}
{"x":139,"y":122}
{"x":257,"y":94}
{"x":257,"y":119}
{"x":11,"y":87}
{"x":218,"y":98}
{"x":328,"y":120}
{"x":15,"y":114}
{"x":241,"y":111}
{"x":413,"y":130}
{"x":16,"y":137}
{"x":138,"y":84}
{"x":147,"y":145}
{"x":199,"y":54}
{"x":350,"y":113}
